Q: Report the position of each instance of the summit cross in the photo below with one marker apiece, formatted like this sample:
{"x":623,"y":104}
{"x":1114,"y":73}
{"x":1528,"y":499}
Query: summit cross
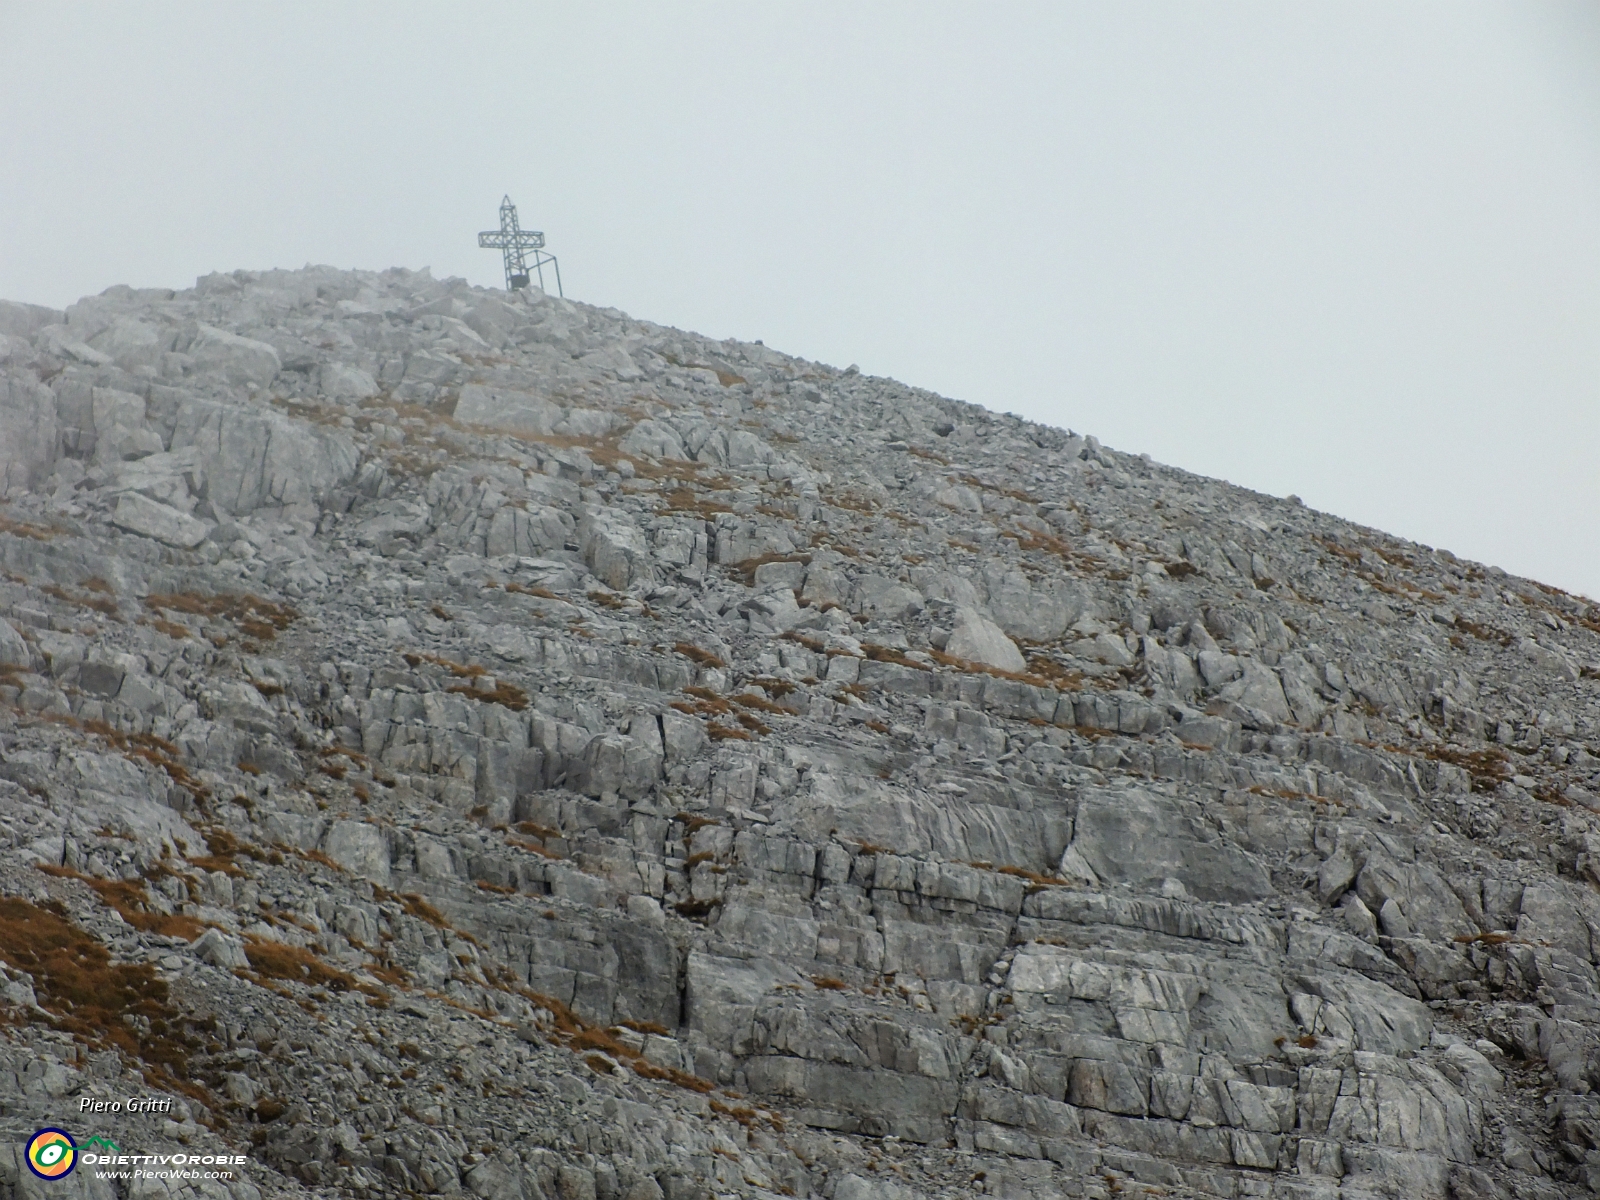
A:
{"x":514,"y":242}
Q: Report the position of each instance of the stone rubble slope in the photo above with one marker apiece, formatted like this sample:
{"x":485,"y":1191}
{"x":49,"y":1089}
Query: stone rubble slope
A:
{"x":455,"y":742}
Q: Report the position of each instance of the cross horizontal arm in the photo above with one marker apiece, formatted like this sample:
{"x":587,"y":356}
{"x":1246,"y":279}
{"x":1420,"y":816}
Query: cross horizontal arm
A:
{"x":499,"y":240}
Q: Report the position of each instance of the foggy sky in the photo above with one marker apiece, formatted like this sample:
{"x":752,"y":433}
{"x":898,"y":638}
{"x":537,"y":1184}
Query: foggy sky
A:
{"x":1348,"y":250}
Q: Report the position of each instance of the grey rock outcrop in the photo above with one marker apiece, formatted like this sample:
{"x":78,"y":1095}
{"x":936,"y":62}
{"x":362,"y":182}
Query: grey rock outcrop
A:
{"x":486,"y":744}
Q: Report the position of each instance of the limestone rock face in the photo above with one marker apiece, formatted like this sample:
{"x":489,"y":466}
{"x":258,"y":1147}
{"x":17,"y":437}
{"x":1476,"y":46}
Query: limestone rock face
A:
{"x":254,"y":459}
{"x":485,"y":744}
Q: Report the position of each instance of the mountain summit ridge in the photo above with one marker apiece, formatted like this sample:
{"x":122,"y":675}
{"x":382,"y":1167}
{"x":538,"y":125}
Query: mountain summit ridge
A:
{"x":476,"y":742}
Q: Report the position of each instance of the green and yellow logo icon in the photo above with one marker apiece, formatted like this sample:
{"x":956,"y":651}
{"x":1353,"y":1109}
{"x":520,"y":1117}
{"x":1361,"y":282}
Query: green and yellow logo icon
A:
{"x":52,"y":1154}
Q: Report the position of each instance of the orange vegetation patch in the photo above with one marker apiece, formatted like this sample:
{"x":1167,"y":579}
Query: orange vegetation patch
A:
{"x":260,"y":619}
{"x":39,"y":533}
{"x":100,"y":1003}
{"x":99,"y":603}
{"x":519,"y":589}
{"x":294,"y":964}
{"x":693,"y":823}
{"x":502,"y":693}
{"x":1486,"y":939}
{"x":132,"y":904}
{"x":1488,"y":768}
{"x":507,"y":695}
{"x":579,"y":1037}
{"x":694,"y":654}
{"x":977,"y":668}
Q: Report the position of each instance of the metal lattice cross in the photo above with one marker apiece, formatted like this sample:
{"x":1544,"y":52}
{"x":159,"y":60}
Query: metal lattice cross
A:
{"x":514,"y":242}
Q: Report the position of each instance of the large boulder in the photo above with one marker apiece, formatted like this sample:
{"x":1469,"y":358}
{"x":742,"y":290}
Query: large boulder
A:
{"x":613,"y":360}
{"x":239,"y":359}
{"x":1036,"y":612}
{"x":342,"y":381}
{"x":1144,"y":840}
{"x":615,"y":548}
{"x":141,"y":515}
{"x":506,"y":408}
{"x":653,"y":439}
{"x":26,"y":320}
{"x":14,"y":651}
{"x":978,"y":639}
{"x":254,"y":457}
{"x":63,"y":342}
{"x":531,"y":533}
{"x":134,"y":343}
{"x":359,"y":848}
{"x":1258,"y":687}
{"x":27,"y":432}
{"x":119,"y":426}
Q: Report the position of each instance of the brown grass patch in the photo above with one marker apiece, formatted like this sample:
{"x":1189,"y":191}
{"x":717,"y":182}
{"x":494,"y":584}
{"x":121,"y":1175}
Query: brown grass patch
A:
{"x":104,"y":1005}
{"x":258,"y":618}
{"x":889,"y":654}
{"x":1488,"y":768}
{"x":693,"y":823}
{"x":694,"y":654}
{"x":1485,"y":939}
{"x":647,"y":1027}
{"x":1484,"y":633}
{"x":102,"y":604}
{"x":39,"y":533}
{"x":1059,"y":676}
{"x":422,"y":910}
{"x":541,"y":593}
{"x":294,"y":964}
{"x":507,"y":695}
{"x":977,"y":668}
{"x":577,"y":1036}
{"x":415,"y":658}
{"x":533,"y":848}
{"x":132,"y":903}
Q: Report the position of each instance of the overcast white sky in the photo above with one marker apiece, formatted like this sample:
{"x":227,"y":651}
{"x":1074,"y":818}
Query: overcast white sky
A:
{"x":1348,"y":250}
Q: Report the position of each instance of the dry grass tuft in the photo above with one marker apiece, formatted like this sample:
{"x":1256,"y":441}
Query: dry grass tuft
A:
{"x":102,"y":604}
{"x":1489,"y":768}
{"x":541,"y":593}
{"x":39,"y":533}
{"x":503,"y":693}
{"x":295,"y":964}
{"x":693,"y":823}
{"x":507,"y":695}
{"x":258,"y":618}
{"x":694,"y":654}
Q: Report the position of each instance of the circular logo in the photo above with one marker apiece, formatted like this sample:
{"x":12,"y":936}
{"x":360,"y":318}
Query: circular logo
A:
{"x":52,"y":1154}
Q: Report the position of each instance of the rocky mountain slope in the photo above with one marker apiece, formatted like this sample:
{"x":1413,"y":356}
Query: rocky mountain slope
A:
{"x":464,"y":743}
